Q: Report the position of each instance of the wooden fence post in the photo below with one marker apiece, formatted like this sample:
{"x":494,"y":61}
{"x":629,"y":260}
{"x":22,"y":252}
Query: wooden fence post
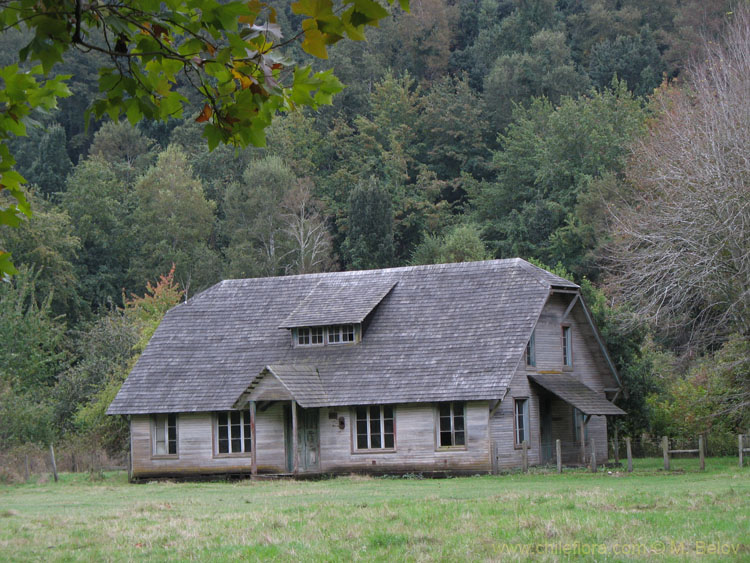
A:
{"x":558,"y":452}
{"x":702,"y":452}
{"x":741,"y":441}
{"x":26,"y":469}
{"x":665,"y":450}
{"x":629,"y":453}
{"x":593,"y":456}
{"x":52,"y":458}
{"x":525,"y":456}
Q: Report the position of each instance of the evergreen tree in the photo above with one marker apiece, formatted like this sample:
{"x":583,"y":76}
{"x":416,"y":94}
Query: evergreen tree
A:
{"x":369,"y":240}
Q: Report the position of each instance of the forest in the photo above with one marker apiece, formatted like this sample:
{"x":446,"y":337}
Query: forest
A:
{"x":606,"y":140}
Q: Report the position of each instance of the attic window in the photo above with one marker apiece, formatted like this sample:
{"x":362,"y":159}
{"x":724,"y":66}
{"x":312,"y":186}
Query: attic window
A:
{"x":322,"y":336}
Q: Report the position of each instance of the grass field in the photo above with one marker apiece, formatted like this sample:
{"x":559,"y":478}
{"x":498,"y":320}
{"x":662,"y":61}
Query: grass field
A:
{"x":604,"y":516}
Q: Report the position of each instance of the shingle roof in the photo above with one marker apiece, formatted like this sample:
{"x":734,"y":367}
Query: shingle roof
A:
{"x":302,"y":381}
{"x":444,"y":332}
{"x":336,"y":301}
{"x":576,"y":393}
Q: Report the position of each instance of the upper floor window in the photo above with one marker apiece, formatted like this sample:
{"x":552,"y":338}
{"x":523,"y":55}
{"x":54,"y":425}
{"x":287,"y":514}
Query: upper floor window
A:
{"x":320,"y":336}
{"x":233,"y":435}
{"x":452,"y":427}
{"x":567,"y":346}
{"x":340,"y":334}
{"x":375,"y":429}
{"x":531,"y":350}
{"x":164,"y":434}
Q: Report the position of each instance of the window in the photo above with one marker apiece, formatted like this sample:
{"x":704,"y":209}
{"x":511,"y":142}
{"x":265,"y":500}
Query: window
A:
{"x":319,"y":336}
{"x":164,"y":434}
{"x":375,"y":429}
{"x":567,"y":346}
{"x":531,"y":350}
{"x":233,"y":434}
{"x":310,"y":336}
{"x":451,"y":424}
{"x":521,"y":420}
{"x":340,"y":334}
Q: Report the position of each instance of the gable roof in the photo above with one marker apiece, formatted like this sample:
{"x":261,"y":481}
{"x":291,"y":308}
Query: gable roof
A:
{"x":443,"y":332}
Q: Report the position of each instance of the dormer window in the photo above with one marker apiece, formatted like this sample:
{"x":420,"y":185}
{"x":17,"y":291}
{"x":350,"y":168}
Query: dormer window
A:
{"x":340,"y":334}
{"x":323,"y":336}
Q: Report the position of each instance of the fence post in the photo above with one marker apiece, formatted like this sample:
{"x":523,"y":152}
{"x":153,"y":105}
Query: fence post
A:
{"x":665,"y":450}
{"x":593,"y":456}
{"x":26,"y":469}
{"x":525,"y":456}
{"x":629,"y":453}
{"x":741,"y":441}
{"x":702,"y":452}
{"x":558,"y":451}
{"x":52,"y":458}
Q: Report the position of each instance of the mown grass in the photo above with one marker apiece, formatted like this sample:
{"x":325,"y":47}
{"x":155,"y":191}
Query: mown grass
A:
{"x":678,"y":515}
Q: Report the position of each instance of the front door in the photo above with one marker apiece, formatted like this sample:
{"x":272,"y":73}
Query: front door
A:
{"x":545,"y":430}
{"x":308,"y":440}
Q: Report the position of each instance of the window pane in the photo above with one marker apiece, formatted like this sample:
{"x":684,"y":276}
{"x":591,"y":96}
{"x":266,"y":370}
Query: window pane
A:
{"x":458,"y":409}
{"x":388,"y":441}
{"x":445,"y":409}
{"x":223,"y":446}
{"x":387,"y":411}
{"x":388,"y":426}
{"x":458,"y":423}
{"x":222,"y":419}
{"x":375,"y":440}
{"x":235,"y":416}
{"x":236,"y":444}
{"x":445,"y":439}
{"x":460,"y":441}
{"x":445,"y":424}
{"x":362,"y":427}
{"x":317,"y":335}
{"x":361,"y":441}
{"x":223,"y":432}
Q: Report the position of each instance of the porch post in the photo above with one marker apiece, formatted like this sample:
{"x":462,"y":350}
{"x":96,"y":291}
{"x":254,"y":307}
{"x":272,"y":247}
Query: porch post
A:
{"x":583,"y":439}
{"x":295,"y":446}
{"x":253,"y":440}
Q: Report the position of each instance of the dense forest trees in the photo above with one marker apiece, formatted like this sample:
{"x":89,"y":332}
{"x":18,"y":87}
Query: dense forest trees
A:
{"x":573,"y":133}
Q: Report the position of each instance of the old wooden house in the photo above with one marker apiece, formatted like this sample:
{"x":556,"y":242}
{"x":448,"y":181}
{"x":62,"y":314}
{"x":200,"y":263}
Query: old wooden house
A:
{"x":445,"y":368}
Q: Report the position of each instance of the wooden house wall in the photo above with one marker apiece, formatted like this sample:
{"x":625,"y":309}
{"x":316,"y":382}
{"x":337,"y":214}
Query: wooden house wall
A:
{"x":588,"y":364}
{"x":195,"y":447}
{"x":416,"y":442}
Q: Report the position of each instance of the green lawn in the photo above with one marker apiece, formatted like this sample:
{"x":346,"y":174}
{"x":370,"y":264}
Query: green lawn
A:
{"x":606,"y":516}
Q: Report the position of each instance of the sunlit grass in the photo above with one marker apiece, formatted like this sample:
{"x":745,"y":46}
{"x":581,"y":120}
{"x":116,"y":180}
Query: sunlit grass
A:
{"x":609,"y":515}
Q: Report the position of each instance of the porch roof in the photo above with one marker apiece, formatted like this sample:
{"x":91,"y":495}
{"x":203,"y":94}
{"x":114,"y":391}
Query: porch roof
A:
{"x":576,"y":393}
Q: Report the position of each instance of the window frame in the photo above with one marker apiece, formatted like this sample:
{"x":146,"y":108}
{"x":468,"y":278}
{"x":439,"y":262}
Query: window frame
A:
{"x":531,"y":351}
{"x":321,"y":335}
{"x":567,"y":346}
{"x":245,"y":441}
{"x":157,"y":420}
{"x":355,"y":449}
{"x":518,"y":444}
{"x":452,"y":417}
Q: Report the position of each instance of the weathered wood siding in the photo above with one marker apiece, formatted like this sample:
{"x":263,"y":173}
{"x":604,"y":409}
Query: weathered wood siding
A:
{"x":416,"y":442}
{"x":588,"y":364}
{"x":195,"y":447}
